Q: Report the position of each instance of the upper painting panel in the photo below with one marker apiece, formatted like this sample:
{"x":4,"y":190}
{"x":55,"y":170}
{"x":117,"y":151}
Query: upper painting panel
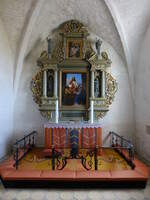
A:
{"x":74,"y":49}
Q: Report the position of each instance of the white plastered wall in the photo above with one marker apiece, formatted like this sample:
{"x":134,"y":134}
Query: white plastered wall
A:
{"x":130,"y":24}
{"x":6,"y":93}
{"x":119,"y":118}
{"x":143,"y":99}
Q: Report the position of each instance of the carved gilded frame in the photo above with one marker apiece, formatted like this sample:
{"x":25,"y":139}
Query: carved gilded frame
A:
{"x":73,"y":70}
{"x":75,"y":41}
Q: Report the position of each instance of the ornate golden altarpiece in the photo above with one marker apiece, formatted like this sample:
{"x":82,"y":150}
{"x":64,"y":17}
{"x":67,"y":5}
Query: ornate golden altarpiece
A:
{"x":73,"y":82}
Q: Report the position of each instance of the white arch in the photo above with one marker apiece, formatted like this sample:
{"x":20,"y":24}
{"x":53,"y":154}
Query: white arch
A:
{"x":6,"y":91}
{"x":114,"y":13}
{"x":27,"y":30}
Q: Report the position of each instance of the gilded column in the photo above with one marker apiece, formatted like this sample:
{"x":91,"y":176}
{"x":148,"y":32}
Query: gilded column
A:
{"x":44,"y":83}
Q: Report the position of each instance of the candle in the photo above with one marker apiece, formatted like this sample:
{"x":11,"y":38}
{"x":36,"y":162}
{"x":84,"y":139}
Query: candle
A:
{"x":56,"y":112}
{"x":92,"y":112}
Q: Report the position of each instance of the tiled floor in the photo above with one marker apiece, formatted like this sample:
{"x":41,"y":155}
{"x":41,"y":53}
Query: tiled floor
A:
{"x":97,"y":194}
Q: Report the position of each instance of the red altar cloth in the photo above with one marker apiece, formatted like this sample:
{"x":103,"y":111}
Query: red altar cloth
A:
{"x":90,"y":135}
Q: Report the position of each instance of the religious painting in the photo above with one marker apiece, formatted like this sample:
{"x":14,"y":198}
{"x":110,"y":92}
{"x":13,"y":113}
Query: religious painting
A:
{"x":74,"y":48}
{"x":74,"y":89}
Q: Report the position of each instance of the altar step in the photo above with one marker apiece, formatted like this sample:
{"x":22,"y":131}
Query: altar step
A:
{"x":136,"y":178}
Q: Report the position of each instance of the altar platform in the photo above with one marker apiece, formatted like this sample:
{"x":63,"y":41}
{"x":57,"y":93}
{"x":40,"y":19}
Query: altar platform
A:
{"x":79,"y":161}
{"x":35,"y":171}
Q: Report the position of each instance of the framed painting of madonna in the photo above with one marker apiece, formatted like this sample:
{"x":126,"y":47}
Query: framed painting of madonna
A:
{"x":74,"y":89}
{"x":74,"y":48}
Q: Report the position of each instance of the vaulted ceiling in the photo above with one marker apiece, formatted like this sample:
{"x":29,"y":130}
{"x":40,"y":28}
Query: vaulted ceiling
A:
{"x":120,"y":23}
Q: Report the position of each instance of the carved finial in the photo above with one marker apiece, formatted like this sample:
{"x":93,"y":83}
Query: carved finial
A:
{"x":49,"y":45}
{"x":105,"y":58}
{"x":98,"y":44}
{"x":104,"y":55}
{"x":43,"y":55}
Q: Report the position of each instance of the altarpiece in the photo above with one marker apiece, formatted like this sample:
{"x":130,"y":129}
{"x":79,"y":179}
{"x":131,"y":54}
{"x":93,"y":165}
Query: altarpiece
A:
{"x":73,"y":82}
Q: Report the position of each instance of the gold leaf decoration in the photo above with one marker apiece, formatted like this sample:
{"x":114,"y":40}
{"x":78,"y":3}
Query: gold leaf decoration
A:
{"x":111,"y":89}
{"x":73,"y":26}
{"x":100,"y":114}
{"x":58,"y":52}
{"x":36,"y":87}
{"x":46,"y":114}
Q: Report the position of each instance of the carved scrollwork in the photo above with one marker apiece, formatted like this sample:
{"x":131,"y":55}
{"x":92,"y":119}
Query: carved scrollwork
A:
{"x":100,"y":114}
{"x":47,"y":101}
{"x":36,"y":87}
{"x":58,"y":52}
{"x":42,"y":60}
{"x":73,"y":26}
{"x":46,"y":114}
{"x":89,"y":52}
{"x":99,"y":103}
{"x":105,"y":61}
{"x":97,"y":64}
{"x":111,"y":89}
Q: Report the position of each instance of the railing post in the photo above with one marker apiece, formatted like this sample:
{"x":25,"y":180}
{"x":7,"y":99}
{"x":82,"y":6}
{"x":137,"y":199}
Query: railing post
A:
{"x":33,"y":141}
{"x":17,"y":156}
{"x":110,"y":138}
{"x":29,"y":140}
{"x":131,"y":153}
{"x":95,"y":157}
{"x":122,"y":141}
{"x":24,"y":144}
{"x":113,"y":144}
{"x":53,"y":157}
{"x":25,"y":141}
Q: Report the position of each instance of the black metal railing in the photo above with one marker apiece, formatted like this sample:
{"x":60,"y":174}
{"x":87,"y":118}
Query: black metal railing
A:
{"x":123,"y":145}
{"x":22,"y":146}
{"x":89,"y":160}
{"x":59,"y":161}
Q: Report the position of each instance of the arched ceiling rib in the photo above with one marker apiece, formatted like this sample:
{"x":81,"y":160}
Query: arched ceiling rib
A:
{"x":132,"y":18}
{"x":13,"y":13}
{"x":28,"y":28}
{"x":94,"y":14}
{"x":27,"y":22}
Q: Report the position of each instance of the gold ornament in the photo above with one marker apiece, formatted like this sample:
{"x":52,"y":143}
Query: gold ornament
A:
{"x":36,"y":87}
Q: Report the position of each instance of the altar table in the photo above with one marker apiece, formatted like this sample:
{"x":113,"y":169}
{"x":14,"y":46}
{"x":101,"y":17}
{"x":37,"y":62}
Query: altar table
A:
{"x":59,"y":135}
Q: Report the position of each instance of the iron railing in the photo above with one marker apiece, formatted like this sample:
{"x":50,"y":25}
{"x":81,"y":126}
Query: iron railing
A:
{"x":22,"y":146}
{"x":123,"y":146}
